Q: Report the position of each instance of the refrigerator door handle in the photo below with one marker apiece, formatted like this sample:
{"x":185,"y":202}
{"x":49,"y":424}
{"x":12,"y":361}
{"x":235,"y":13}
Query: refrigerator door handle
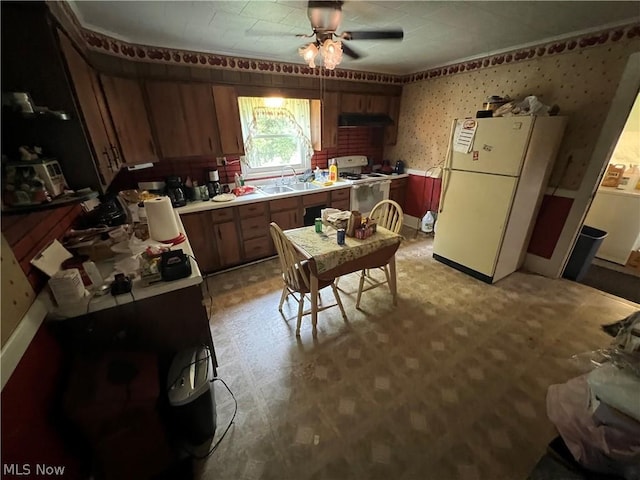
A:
{"x":447,"y":167}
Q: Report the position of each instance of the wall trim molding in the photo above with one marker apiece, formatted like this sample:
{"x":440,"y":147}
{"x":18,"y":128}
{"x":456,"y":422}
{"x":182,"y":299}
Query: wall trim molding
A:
{"x":100,"y":42}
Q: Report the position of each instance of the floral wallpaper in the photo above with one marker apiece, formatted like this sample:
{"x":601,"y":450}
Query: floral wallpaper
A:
{"x":580,"y":82}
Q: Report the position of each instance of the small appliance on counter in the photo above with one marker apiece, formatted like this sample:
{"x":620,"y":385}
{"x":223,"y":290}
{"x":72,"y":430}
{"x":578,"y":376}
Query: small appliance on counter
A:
{"x":213,"y":184}
{"x":111,"y":212}
{"x":30,"y":181}
{"x":399,"y":169}
{"x":176,"y":192}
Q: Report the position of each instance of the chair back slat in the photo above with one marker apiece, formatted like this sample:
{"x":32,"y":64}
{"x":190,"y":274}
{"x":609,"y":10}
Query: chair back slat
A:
{"x":294,"y":275}
{"x":388,"y":214}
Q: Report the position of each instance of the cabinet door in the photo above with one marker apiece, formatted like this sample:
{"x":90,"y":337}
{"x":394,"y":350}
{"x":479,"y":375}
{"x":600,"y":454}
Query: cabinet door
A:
{"x":199,"y":109}
{"x":353,"y":103}
{"x":129,"y":115}
{"x":228,"y":116}
{"x":330,"y":111}
{"x":391,"y":131}
{"x":377,"y":104}
{"x":168,"y":118}
{"x":81,"y":76}
{"x":198,"y":231}
{"x":287,"y":219}
{"x":228,"y":244}
{"x":398,"y":191}
{"x":116,"y":154}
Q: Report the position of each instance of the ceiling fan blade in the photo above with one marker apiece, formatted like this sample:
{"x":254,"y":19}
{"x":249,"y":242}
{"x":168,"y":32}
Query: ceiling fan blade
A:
{"x":350,"y":52}
{"x":270,"y":33}
{"x":374,"y":35}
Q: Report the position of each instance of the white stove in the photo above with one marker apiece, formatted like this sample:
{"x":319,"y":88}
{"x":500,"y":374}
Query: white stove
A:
{"x":350,"y":168}
{"x":368,"y":188}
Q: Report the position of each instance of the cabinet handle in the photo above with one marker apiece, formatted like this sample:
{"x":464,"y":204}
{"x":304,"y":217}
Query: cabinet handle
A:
{"x":210,"y":144}
{"x":116,"y":155}
{"x":106,"y":154}
{"x":219,"y":235}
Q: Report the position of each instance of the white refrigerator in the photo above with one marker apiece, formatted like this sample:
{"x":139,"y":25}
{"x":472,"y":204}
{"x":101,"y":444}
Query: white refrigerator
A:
{"x":491,"y":192}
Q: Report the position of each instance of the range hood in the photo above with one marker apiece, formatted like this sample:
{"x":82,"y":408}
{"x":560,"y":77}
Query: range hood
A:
{"x":364,"y":120}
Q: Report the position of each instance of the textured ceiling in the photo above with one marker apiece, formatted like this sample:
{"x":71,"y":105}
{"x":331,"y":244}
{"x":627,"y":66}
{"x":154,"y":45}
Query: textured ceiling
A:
{"x":435,"y":33}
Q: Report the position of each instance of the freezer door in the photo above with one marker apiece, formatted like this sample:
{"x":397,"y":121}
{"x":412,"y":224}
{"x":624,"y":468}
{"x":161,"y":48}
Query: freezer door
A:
{"x":499,"y":146}
{"x":473,"y":219}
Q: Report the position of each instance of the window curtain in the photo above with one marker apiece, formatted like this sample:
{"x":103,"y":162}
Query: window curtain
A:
{"x":296,"y":111}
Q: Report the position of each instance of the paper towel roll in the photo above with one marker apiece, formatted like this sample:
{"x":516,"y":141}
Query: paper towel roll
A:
{"x":163,"y":226}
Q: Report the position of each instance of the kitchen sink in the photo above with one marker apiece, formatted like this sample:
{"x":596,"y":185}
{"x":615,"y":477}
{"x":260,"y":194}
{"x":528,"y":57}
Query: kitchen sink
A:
{"x":300,"y":186}
{"x":272,"y":189}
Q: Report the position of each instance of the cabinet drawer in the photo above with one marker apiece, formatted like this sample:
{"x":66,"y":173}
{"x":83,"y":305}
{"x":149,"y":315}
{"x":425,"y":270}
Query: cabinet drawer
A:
{"x":340,"y":194}
{"x":341,"y":204}
{"x":316,"y":199}
{"x":253,"y":210}
{"x":222,"y":215}
{"x":257,"y":248}
{"x":400,"y":183}
{"x":254,"y":227}
{"x":284,"y":204}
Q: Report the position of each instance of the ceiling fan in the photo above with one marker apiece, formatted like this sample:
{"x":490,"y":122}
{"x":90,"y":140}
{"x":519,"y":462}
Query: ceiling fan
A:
{"x":325,"y":17}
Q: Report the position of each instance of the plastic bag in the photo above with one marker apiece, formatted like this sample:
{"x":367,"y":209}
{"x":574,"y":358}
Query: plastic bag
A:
{"x":528,"y":106}
{"x":599,"y":447}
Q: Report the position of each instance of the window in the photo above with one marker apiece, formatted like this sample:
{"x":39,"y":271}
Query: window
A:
{"x":276,"y":135}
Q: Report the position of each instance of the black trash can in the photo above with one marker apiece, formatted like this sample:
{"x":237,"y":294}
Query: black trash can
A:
{"x":585,"y":249}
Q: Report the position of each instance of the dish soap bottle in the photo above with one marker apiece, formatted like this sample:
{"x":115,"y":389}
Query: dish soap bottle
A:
{"x":333,"y":171}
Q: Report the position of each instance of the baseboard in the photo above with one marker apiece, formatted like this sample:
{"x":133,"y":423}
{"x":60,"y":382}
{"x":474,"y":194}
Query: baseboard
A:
{"x":411,"y":222}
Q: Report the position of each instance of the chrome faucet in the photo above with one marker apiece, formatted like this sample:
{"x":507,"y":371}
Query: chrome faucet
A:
{"x":293,"y":178}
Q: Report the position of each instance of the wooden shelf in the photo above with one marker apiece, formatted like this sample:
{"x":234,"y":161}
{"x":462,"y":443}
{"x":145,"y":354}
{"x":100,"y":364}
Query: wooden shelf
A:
{"x":61,"y":201}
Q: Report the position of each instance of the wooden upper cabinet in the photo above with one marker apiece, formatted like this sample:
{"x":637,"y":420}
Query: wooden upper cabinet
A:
{"x":184,"y":119}
{"x":89,"y":96}
{"x":361,"y":103}
{"x":377,"y":104}
{"x":391,"y":131}
{"x":129,"y":115}
{"x":330,"y":112}
{"x":228,"y":116}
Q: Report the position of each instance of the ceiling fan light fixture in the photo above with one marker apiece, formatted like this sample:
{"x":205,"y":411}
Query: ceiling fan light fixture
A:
{"x":309,"y":54}
{"x":331,"y":52}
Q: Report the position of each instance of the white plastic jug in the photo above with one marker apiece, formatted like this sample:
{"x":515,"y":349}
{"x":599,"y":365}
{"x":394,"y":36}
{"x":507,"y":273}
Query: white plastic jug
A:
{"x":427,"y":223}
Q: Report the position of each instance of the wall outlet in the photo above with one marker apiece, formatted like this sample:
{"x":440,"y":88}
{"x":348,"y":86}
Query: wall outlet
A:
{"x":221,"y":161}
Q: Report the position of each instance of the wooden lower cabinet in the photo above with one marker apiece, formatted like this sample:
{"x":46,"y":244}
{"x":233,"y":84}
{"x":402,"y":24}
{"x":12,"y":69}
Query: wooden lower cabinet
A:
{"x":287,"y":212}
{"x":254,"y":225}
{"x":198,"y":229}
{"x":226,"y":237}
{"x":398,"y":190}
{"x":228,"y":244}
{"x":341,"y":199}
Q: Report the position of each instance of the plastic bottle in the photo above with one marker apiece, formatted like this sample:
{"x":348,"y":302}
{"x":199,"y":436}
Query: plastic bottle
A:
{"x":317,"y":174}
{"x":237,"y":180}
{"x":629,"y":178}
{"x":427,"y":224}
{"x":142,"y":213}
{"x":333,"y":171}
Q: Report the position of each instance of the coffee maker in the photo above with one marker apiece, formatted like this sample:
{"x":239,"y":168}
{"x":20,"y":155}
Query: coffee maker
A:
{"x":213,"y":183}
{"x":175,"y":191}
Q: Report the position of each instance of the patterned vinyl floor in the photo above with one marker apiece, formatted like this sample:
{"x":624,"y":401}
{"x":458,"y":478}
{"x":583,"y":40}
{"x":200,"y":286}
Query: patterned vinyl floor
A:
{"x":450,"y":384}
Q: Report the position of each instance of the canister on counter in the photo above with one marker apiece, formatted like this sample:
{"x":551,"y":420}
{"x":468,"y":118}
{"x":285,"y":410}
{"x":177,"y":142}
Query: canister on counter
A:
{"x":341,"y":236}
{"x":318,"y":225}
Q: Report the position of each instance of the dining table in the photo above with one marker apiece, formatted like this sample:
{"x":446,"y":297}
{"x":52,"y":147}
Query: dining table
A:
{"x":328,"y":259}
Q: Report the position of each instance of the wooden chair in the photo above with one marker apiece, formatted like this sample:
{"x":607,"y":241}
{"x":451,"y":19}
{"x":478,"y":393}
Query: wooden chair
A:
{"x":296,"y":276}
{"x":388,"y":214}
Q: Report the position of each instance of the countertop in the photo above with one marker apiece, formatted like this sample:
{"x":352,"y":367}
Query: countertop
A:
{"x":617,"y":191}
{"x":139,"y":291}
{"x":200,"y":206}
